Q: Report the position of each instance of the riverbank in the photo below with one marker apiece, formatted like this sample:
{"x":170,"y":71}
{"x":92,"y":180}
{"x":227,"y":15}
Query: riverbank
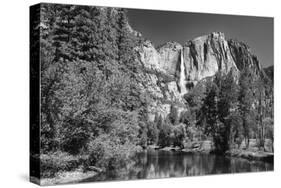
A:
{"x":199,"y":148}
{"x":205,"y":146}
{"x":252,"y":153}
{"x":69,"y":177}
{"x":157,"y":163}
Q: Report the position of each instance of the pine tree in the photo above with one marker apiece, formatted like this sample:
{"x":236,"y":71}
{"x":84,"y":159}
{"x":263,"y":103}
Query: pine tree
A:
{"x":227,"y":107}
{"x":174,"y":116}
{"x":260,"y":109}
{"x":209,"y":109}
{"x":210,"y":116}
{"x":51,"y":71}
{"x":245,"y":99}
{"x":62,"y":33}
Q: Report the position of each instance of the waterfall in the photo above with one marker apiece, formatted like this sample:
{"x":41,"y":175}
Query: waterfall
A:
{"x":182,"y":81}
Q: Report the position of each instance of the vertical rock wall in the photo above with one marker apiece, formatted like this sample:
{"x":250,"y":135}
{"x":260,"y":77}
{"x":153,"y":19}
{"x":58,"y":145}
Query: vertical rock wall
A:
{"x":175,"y":69}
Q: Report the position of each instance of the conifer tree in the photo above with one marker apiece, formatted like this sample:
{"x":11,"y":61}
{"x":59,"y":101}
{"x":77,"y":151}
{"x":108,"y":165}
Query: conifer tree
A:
{"x":227,"y":106}
{"x":245,"y":99}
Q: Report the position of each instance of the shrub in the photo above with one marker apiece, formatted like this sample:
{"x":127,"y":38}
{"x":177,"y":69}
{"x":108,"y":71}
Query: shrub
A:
{"x":178,"y":135}
{"x":164,"y":134}
{"x":74,"y":135}
{"x":152,"y":133}
{"x":52,"y":163}
{"x":108,"y":153}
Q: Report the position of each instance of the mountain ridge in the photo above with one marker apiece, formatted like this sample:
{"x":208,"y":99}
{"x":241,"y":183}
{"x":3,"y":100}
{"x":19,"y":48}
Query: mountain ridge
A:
{"x":192,"y":62}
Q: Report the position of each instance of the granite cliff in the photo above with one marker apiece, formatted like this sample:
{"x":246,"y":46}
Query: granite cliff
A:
{"x":172,"y":69}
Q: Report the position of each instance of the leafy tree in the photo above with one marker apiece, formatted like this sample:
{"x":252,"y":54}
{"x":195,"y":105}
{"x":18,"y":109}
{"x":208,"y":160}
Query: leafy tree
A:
{"x":75,"y":134}
{"x":195,"y":97}
{"x":164,"y":134}
{"x":187,"y":118}
{"x":143,"y":134}
{"x":177,"y":135}
{"x":235,"y":130}
{"x":152,"y":133}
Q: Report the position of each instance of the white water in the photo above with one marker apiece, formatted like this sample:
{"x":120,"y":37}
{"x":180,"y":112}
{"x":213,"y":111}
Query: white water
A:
{"x":182,"y":81}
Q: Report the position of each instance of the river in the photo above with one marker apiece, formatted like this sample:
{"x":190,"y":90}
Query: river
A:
{"x":163,"y":164}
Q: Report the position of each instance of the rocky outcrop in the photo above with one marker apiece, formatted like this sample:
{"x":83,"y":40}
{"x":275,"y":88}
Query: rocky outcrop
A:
{"x":164,"y":59}
{"x":170,"y":54}
{"x":206,"y":55}
{"x":243,"y":57}
{"x":269,"y":71}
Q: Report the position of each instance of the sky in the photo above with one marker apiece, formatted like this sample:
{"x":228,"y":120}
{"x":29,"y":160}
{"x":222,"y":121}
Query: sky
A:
{"x":163,"y":26}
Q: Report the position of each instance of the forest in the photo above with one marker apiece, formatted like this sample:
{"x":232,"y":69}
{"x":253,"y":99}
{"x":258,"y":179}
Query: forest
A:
{"x":94,"y":112}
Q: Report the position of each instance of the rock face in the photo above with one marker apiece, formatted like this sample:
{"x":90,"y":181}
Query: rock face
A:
{"x":164,"y":59}
{"x":269,"y":71}
{"x":206,"y":55}
{"x":171,"y":70}
{"x":243,"y":57}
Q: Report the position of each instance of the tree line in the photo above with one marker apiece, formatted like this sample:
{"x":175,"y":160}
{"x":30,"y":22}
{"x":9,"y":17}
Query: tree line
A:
{"x":227,"y":109}
{"x":91,"y":103}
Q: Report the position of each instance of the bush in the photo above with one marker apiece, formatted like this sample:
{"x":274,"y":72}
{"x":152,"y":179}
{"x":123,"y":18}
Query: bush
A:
{"x":178,"y":135}
{"x":74,"y":135}
{"x":152,"y":133}
{"x":164,"y":134}
{"x":143,"y":139}
{"x":108,"y":153}
{"x":143,"y":134}
{"x":52,"y":163}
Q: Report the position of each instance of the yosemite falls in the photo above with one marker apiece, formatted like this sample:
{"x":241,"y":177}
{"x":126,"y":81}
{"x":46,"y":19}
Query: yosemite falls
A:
{"x":182,"y":79}
{"x":173,"y":69}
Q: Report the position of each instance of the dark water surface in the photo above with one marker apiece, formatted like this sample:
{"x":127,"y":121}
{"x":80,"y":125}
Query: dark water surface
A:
{"x":163,"y":164}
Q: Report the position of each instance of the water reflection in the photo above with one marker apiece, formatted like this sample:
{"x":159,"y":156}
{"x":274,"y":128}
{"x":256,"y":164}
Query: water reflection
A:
{"x":163,"y":164}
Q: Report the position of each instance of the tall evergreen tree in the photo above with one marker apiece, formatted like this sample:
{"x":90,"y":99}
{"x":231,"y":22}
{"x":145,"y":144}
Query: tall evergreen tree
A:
{"x":227,"y":106}
{"x":209,"y":116}
{"x":245,"y":99}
